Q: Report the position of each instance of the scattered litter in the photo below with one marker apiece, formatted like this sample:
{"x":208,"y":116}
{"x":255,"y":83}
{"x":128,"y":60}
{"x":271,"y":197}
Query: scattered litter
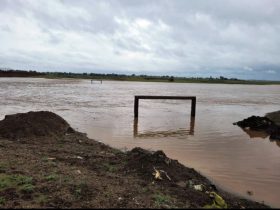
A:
{"x":79,"y":172}
{"x":51,"y":158}
{"x":199,"y":187}
{"x":218,"y":202}
{"x":157,"y":174}
{"x":79,"y":157}
{"x":165,"y":174}
{"x":120,"y":198}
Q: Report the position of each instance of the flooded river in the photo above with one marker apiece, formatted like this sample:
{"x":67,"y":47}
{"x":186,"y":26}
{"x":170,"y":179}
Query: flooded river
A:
{"x":210,"y":143}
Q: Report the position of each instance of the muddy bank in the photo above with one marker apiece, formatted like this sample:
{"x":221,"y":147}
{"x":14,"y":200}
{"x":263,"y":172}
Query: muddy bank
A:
{"x":51,"y":166}
{"x":268,"y":124}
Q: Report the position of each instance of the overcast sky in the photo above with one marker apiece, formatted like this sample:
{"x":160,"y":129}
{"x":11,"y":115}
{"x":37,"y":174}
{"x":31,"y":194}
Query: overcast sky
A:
{"x":238,"y":38}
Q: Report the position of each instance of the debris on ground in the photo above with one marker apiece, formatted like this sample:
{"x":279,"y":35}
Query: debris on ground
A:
{"x":199,"y":187}
{"x":218,"y":202}
{"x":157,"y":174}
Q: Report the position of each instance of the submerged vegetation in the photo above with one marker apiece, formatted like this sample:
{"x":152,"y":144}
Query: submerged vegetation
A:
{"x":133,"y":77}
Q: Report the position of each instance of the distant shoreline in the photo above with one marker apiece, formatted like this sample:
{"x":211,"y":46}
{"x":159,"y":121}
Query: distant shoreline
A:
{"x":133,"y":77}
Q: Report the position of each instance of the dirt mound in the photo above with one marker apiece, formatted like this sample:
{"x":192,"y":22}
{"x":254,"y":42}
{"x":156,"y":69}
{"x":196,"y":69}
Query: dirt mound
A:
{"x":261,"y":124}
{"x":145,"y":164}
{"x":33,"y":124}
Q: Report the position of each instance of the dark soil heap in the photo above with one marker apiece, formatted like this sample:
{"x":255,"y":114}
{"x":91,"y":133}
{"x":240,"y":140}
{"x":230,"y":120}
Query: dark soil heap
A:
{"x":261,"y":124}
{"x":144,"y":163}
{"x":33,"y":124}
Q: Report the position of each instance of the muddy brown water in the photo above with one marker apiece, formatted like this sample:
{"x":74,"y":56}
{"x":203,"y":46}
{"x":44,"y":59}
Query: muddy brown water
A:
{"x":236,"y":160}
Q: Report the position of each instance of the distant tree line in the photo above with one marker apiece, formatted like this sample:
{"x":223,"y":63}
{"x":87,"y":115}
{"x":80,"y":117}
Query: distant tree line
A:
{"x":19,"y":73}
{"x":109,"y":76}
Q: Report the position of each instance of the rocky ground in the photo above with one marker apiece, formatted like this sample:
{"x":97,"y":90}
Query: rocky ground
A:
{"x":44,"y":163}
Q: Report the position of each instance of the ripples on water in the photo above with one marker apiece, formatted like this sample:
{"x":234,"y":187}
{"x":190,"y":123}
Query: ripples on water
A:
{"x":209,"y":143}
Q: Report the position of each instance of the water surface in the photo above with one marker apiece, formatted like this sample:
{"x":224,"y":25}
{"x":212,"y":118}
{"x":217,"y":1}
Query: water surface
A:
{"x":210,"y":143}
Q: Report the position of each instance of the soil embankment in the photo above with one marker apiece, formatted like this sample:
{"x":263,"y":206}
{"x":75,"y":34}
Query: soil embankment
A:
{"x":45,"y":163}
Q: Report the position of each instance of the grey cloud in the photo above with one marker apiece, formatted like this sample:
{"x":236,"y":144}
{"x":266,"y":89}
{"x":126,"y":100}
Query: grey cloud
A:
{"x":199,"y":37}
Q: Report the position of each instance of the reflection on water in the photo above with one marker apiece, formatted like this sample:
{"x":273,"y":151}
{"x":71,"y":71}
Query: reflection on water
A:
{"x":256,"y":134}
{"x":180,"y":133}
{"x":260,"y":134}
{"x":217,"y":148}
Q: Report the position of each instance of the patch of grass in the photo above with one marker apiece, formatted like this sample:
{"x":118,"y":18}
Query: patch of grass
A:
{"x":2,"y":201}
{"x":45,"y":159}
{"x":5,"y":181}
{"x":109,"y":167}
{"x":20,"y":182}
{"x":116,"y":151}
{"x":81,"y":190}
{"x":107,"y":194}
{"x":27,"y":188}
{"x":3,"y":167}
{"x":161,"y":199}
{"x":145,"y":189}
{"x":67,"y":179}
{"x":41,"y":199}
{"x":49,"y":161}
{"x":52,"y":177}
